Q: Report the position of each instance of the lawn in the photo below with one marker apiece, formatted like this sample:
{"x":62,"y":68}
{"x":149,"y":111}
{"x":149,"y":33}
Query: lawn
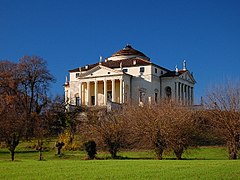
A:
{"x":201,"y":163}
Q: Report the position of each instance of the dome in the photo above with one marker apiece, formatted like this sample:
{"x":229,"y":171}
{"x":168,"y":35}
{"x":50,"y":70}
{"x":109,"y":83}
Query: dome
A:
{"x":126,"y":53}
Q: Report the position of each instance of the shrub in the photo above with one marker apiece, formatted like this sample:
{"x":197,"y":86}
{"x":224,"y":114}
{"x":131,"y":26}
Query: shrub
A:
{"x":90,"y":148}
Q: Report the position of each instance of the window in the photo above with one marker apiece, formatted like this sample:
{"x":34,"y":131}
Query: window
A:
{"x":168,"y":92}
{"x":77,"y":75}
{"x":141,"y":69}
{"x":156,"y":97}
{"x":161,"y":72}
{"x":108,"y":72}
{"x":125,"y":70}
{"x":77,"y":101}
{"x":141,"y":96}
{"x":156,"y":70}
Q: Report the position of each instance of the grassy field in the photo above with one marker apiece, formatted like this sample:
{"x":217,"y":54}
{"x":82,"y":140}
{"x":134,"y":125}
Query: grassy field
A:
{"x":201,"y":163}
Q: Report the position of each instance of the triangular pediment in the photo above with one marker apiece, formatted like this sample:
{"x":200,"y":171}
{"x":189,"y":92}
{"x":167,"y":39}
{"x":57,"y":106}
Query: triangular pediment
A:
{"x":188,"y":77}
{"x":100,"y":71}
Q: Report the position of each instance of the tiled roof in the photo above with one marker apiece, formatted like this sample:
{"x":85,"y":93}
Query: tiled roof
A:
{"x":116,"y":64}
{"x":127,"y":51}
{"x":173,"y":73}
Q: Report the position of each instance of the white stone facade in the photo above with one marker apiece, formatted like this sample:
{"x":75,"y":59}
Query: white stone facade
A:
{"x":125,"y":77}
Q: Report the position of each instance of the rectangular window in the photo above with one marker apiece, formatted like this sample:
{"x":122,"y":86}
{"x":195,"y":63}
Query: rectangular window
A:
{"x":77,"y":75}
{"x":77,"y":101}
{"x":156,"y":70}
{"x":125,"y":70}
{"x":141,"y":69}
{"x":161,"y":72}
{"x":156,"y":97}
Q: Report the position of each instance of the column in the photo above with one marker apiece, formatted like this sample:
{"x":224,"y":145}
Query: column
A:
{"x":105,"y":91}
{"x":182,"y":89}
{"x":80,"y":93}
{"x":192,"y":95}
{"x":121,"y":90}
{"x":88,"y":93}
{"x":176,"y":90}
{"x":113,"y":91}
{"x":189,"y":102}
{"x":96,"y":93}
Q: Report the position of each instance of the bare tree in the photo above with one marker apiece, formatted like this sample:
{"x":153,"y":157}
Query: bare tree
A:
{"x":223,"y":110}
{"x":179,"y":126}
{"x":109,"y":131}
{"x":11,"y":106}
{"x":35,"y":82}
{"x":147,"y":127}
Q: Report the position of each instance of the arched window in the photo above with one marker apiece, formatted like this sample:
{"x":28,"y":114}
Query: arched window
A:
{"x":142,"y":93}
{"x":77,"y":99}
{"x":168,"y":92}
{"x":156,"y":95}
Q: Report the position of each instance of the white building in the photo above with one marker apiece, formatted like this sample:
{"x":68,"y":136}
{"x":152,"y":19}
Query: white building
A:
{"x":128,"y":76}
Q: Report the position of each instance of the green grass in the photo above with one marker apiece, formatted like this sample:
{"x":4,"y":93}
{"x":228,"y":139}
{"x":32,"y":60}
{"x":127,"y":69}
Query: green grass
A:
{"x":201,"y":163}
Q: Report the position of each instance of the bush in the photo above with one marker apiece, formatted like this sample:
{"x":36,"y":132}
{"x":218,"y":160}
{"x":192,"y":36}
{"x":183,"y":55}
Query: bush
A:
{"x":90,"y":147}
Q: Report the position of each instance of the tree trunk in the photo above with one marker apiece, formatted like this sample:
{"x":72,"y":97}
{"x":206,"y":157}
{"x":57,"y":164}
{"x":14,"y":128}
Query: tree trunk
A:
{"x":178,"y":152}
{"x":12,"y":154}
{"x":40,"y":155}
{"x":159,"y":153}
{"x":232,"y":151}
{"x":59,"y":150}
{"x":40,"y":148}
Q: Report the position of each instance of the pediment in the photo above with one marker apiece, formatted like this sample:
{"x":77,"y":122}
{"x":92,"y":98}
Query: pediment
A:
{"x":100,"y":71}
{"x":188,"y":77}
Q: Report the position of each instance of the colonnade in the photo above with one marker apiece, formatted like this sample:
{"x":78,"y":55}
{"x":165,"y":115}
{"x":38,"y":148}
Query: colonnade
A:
{"x":184,"y":93}
{"x":117,"y":92}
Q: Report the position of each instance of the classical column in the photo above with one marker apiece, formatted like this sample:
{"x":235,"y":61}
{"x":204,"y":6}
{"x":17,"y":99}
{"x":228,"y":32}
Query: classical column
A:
{"x":189,"y":102}
{"x":121,"y":90}
{"x":88,"y":93}
{"x":80,"y":93}
{"x":105,"y":91}
{"x":96,"y":93}
{"x":192,"y":96}
{"x":182,"y":93}
{"x":177,"y":93}
{"x":113,"y":91}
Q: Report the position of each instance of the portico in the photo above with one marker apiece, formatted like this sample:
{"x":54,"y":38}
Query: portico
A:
{"x":100,"y":90}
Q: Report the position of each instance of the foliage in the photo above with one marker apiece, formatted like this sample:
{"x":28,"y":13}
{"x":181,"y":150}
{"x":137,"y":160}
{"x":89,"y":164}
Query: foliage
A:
{"x":110,"y":131}
{"x":91,"y":149}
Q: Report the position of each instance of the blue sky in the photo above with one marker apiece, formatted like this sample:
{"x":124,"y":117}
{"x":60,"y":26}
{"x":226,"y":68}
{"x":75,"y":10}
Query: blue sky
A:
{"x":73,"y":33}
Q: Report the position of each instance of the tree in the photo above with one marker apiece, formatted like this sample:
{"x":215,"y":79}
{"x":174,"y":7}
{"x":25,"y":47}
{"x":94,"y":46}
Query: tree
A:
{"x":11,"y":106}
{"x":179,"y":126}
{"x":147,"y":128}
{"x":91,"y":148}
{"x":23,"y":96}
{"x":35,"y":81}
{"x":222,"y":105}
{"x":109,"y":131}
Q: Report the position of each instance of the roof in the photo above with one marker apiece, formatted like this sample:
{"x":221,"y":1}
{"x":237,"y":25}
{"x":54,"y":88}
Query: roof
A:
{"x":131,"y":62}
{"x":128,"y":51}
{"x":173,"y":73}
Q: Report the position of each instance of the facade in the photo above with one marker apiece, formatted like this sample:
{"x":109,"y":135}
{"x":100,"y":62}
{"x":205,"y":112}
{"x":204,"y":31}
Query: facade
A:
{"x":125,"y":77}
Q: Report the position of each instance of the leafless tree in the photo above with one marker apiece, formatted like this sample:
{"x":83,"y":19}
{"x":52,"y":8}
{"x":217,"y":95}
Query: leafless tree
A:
{"x":11,"y":106}
{"x":223,"y":110}
{"x":147,"y":127}
{"x":109,"y":131}
{"x":35,"y":81}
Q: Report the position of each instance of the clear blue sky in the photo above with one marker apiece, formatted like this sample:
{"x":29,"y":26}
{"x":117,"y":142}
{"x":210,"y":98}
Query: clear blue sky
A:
{"x":73,"y":33}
